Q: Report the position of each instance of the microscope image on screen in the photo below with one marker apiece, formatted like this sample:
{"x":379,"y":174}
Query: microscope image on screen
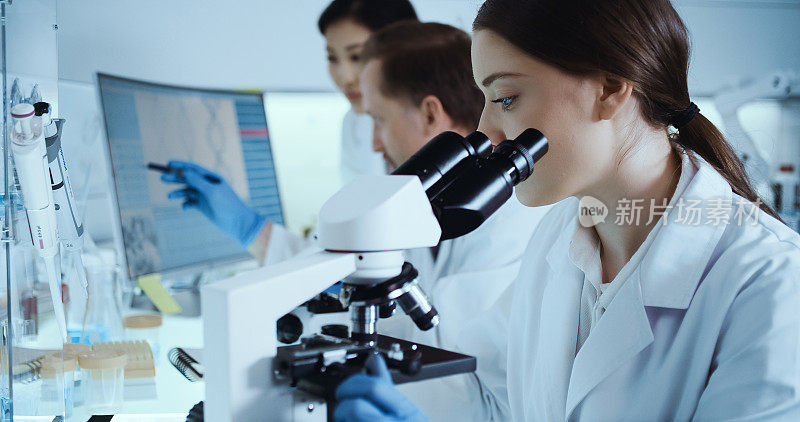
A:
{"x":224,"y":131}
{"x":140,"y":244}
{"x":196,"y":129}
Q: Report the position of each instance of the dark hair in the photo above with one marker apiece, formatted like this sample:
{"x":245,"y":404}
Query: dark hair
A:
{"x":642,"y":41}
{"x":421,"y":59}
{"x":374,"y":14}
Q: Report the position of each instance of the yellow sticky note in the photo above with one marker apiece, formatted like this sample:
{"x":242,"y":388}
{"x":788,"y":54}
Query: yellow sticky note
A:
{"x":152,"y":287}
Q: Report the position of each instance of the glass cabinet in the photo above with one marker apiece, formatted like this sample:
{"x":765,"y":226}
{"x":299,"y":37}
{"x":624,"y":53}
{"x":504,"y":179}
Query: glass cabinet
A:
{"x":37,"y":377}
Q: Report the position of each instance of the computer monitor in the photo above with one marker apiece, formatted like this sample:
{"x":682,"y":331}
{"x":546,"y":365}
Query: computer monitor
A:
{"x":225,"y":131}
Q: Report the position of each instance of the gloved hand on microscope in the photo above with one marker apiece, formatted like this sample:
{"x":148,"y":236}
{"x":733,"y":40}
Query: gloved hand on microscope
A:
{"x":372,"y":397}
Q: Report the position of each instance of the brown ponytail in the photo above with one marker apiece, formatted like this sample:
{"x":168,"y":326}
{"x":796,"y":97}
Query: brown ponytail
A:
{"x":702,"y":137}
{"x":642,"y":41}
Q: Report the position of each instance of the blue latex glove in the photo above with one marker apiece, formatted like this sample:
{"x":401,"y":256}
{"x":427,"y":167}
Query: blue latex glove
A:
{"x":335,"y":289}
{"x":373,"y":398}
{"x":210,"y":194}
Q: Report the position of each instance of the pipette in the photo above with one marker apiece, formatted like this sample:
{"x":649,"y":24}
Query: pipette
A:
{"x":70,"y":224}
{"x":30,"y":158}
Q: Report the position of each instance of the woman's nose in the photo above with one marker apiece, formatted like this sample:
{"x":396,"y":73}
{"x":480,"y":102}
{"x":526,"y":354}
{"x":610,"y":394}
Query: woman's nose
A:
{"x":351,"y":73}
{"x":488,"y":128}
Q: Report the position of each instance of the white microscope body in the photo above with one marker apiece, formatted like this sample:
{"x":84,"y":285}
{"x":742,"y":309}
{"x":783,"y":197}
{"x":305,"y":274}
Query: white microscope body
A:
{"x":368,"y":224}
{"x":447,"y":189}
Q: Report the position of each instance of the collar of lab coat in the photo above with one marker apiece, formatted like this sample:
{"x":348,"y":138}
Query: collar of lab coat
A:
{"x":667,"y":277}
{"x":679,"y":255}
{"x":670,"y":271}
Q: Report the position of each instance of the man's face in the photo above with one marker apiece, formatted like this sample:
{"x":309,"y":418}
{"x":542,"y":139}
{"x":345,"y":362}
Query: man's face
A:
{"x":400,"y":129}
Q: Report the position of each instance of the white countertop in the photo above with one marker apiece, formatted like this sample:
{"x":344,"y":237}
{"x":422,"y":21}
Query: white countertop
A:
{"x":175,"y":394}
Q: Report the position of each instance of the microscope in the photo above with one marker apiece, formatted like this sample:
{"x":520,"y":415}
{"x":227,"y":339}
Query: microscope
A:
{"x":446,"y":190}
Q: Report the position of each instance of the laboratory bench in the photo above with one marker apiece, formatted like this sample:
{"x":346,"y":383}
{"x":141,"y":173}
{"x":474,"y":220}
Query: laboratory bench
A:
{"x":172,"y":397}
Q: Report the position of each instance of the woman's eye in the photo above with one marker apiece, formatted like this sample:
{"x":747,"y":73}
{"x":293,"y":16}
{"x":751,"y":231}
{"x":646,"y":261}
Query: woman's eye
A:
{"x":332,"y":59}
{"x":505,"y":102}
{"x":355,"y":57}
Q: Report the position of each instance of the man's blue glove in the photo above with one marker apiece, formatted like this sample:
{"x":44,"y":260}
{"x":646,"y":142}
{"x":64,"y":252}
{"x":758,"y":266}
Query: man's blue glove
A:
{"x":372,"y":397}
{"x":209,"y":193}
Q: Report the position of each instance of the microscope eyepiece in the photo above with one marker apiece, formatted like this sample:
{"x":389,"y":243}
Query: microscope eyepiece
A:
{"x":478,"y":143}
{"x":479,"y":186}
{"x":441,"y":155}
{"x":522,"y":152}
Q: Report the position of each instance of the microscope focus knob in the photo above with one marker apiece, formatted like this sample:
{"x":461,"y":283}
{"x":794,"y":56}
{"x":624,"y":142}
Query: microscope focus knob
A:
{"x":289,"y":329}
{"x":408,"y":362}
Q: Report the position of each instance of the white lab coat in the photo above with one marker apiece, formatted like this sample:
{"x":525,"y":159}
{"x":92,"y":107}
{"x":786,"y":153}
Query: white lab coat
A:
{"x":357,"y":156}
{"x":467,"y":278}
{"x":706,"y":328}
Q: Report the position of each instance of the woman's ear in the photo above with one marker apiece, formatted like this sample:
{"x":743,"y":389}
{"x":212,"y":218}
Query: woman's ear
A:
{"x":615,"y":93}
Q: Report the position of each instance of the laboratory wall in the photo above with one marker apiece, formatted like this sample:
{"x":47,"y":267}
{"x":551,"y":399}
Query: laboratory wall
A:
{"x":244,"y":43}
{"x":31,"y":44}
{"x":275,"y":46}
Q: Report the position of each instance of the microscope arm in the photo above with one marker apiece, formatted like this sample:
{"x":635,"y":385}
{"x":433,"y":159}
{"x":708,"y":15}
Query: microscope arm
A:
{"x":240,"y":332}
{"x":375,"y":217}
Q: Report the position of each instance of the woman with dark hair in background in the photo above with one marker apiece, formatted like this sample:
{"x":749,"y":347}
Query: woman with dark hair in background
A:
{"x":346,"y":26}
{"x":659,"y":287}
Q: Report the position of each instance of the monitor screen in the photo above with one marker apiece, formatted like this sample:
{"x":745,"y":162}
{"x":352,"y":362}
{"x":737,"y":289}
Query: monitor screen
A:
{"x":225,"y":131}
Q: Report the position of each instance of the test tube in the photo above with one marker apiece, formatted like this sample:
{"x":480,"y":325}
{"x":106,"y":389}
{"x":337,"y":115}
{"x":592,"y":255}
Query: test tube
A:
{"x":103,"y":377}
{"x":144,"y":327}
{"x":58,"y":385}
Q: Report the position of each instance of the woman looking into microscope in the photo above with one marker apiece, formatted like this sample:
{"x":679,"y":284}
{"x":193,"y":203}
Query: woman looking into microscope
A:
{"x":681,"y":303}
